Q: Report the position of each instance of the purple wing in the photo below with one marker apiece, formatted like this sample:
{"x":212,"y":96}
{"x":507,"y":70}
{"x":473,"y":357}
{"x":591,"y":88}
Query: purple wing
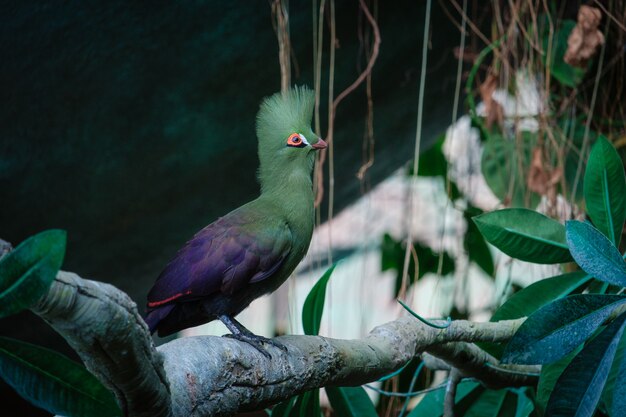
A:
{"x":225,"y":256}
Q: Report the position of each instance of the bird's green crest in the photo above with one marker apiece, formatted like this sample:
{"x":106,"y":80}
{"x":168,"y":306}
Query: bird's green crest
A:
{"x":280,"y":116}
{"x":283,"y":114}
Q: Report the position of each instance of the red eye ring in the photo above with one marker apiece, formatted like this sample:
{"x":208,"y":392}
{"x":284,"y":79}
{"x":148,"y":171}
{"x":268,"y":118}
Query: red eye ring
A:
{"x":294,"y":140}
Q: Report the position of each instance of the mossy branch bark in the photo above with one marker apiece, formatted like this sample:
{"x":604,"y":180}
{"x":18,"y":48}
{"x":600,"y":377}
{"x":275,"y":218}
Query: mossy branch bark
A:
{"x":216,"y":376}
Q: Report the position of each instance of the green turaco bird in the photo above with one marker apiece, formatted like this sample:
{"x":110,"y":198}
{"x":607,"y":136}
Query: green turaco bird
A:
{"x":253,"y":249}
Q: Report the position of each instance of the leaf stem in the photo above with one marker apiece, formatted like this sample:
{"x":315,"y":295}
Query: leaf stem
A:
{"x":423,"y":320}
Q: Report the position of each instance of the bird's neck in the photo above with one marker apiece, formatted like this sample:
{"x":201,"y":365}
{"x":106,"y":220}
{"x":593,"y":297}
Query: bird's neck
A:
{"x":292,"y":187}
{"x":292,"y":194}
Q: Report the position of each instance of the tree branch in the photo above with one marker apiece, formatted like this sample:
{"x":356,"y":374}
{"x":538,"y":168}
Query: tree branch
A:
{"x":451,"y":386}
{"x":216,"y":376}
{"x":102,"y":324}
{"x":471,"y":361}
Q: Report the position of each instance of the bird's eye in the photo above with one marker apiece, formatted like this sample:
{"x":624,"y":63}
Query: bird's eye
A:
{"x":296,"y":140}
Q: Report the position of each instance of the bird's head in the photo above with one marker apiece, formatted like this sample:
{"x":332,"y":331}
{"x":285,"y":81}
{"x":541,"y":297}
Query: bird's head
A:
{"x":286,"y":140}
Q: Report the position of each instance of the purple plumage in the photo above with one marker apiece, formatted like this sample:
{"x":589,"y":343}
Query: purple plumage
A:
{"x":213,"y":272}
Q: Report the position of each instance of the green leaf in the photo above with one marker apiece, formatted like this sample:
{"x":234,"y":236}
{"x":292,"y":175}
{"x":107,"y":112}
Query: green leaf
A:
{"x":525,"y":234}
{"x":500,"y":403}
{"x":314,"y":304}
{"x":453,"y":191}
{"x":432,"y":162}
{"x":350,"y":402}
{"x":307,"y":405}
{"x":550,"y":373}
{"x":579,"y":387}
{"x":564,"y":73}
{"x":614,"y":395}
{"x":558,"y":328}
{"x":525,"y":406}
{"x":391,"y":252}
{"x":462,"y":405}
{"x":53,"y":382}
{"x":27,"y":272}
{"x":605,"y":190}
{"x":505,"y":163}
{"x":432,"y":403}
{"x":595,"y":253}
{"x":538,"y":294}
{"x":283,"y":409}
{"x":525,"y":302}
{"x":475,"y":245}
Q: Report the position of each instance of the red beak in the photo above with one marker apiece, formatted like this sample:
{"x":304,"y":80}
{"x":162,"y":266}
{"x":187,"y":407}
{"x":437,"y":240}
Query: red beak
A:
{"x":320,"y":145}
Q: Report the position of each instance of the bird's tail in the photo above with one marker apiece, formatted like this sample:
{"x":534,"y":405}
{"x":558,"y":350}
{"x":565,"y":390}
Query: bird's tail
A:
{"x":154,"y":317}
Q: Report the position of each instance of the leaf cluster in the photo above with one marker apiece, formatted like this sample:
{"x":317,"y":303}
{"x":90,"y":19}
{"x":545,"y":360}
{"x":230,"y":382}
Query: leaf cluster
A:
{"x":575,"y":326}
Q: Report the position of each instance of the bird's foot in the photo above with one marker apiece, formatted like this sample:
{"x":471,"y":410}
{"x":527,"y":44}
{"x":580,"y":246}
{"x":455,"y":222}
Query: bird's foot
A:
{"x":239,"y":332}
{"x":257,"y":342}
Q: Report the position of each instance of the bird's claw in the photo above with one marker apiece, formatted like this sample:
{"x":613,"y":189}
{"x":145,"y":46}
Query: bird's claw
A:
{"x":257,"y":342}
{"x":277,"y":344}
